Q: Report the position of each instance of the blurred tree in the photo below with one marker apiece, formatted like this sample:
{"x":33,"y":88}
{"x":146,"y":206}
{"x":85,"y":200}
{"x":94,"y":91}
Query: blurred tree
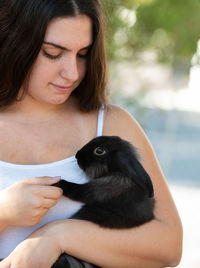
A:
{"x":118,"y":24}
{"x":169,"y":27}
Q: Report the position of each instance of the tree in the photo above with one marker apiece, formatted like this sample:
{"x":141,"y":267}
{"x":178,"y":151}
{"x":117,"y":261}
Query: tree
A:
{"x":170,"y":27}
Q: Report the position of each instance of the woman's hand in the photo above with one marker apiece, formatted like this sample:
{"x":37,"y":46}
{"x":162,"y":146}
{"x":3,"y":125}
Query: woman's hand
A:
{"x":26,"y":202}
{"x":40,"y":250}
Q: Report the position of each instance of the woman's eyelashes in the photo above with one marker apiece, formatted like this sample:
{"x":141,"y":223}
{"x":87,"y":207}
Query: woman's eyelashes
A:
{"x":83,"y":55}
{"x":51,"y":56}
{"x":57,"y":56}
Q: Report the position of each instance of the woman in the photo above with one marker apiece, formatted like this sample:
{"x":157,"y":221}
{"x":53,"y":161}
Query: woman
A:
{"x":52,"y":88}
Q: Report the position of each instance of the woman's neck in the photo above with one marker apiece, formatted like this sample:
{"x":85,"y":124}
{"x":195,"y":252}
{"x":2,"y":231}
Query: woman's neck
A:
{"x":32,"y":111}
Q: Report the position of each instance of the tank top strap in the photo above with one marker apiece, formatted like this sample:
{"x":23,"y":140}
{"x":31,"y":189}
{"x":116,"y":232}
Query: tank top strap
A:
{"x":100,"y":121}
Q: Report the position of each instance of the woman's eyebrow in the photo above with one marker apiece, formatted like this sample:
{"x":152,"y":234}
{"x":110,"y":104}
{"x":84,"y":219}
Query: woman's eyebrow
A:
{"x":64,"y":48}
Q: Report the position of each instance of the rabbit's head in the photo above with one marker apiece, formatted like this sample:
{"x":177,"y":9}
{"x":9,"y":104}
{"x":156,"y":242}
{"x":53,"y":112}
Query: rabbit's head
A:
{"x":109,"y":155}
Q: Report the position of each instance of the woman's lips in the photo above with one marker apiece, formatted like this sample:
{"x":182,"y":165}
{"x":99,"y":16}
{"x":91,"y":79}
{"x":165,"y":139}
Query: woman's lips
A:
{"x":62,"y":89}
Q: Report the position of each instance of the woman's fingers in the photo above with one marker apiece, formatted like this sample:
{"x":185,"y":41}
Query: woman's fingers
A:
{"x":49,"y":203}
{"x":43,"y":187}
{"x":49,"y":192}
{"x":42,"y":180}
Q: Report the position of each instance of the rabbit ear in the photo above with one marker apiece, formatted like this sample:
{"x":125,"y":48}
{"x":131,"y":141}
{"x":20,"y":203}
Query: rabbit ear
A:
{"x":130,"y":165}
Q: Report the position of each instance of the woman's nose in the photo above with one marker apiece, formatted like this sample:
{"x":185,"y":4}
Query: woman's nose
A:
{"x":69,"y":70}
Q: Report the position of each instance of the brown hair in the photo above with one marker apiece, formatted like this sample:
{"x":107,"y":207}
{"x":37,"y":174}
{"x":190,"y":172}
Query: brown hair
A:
{"x":23,"y":25}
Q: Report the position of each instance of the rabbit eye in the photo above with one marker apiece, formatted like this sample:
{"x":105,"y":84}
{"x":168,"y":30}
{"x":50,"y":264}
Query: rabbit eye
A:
{"x":99,"y":151}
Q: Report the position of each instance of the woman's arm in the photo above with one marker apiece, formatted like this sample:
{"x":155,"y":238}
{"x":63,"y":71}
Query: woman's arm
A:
{"x":152,"y":245}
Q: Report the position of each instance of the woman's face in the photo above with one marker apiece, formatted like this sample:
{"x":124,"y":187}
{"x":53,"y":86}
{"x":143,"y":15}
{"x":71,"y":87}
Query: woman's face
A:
{"x":61,"y":64}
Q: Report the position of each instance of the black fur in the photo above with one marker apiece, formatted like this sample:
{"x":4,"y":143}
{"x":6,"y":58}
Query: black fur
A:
{"x":119,"y":193}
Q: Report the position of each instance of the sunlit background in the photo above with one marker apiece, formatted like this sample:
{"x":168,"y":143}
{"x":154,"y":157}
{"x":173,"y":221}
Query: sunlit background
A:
{"x":154,"y":72}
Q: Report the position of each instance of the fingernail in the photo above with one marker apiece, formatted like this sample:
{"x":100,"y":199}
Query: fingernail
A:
{"x":57,"y":177}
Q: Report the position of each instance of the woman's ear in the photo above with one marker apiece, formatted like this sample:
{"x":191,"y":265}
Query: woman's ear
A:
{"x":129,"y":165}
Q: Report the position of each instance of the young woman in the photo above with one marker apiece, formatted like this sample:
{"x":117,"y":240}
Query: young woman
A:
{"x":52,"y":92}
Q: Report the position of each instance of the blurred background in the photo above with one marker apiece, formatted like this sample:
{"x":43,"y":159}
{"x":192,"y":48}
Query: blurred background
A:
{"x":153,"y":52}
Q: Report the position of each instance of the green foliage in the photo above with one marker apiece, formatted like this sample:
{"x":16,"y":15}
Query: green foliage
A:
{"x":115,"y":24}
{"x":171,"y":27}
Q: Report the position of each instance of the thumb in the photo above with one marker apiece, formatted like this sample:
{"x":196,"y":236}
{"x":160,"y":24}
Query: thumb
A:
{"x":45,"y":180}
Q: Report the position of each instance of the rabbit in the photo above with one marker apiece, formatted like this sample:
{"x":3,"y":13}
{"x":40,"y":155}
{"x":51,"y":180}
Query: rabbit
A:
{"x":119,"y":193}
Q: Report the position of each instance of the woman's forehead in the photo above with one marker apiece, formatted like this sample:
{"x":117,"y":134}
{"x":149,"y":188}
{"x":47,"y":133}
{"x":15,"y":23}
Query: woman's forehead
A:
{"x":70,"y":32}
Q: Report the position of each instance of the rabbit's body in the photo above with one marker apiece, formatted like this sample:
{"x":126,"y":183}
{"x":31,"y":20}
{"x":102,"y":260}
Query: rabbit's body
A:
{"x":119,"y":193}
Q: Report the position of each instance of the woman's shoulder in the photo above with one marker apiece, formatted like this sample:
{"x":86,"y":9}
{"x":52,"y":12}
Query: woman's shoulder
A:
{"x":120,"y":122}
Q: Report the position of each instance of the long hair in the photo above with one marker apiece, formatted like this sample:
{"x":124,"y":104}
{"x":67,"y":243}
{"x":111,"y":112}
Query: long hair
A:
{"x":23,"y":24}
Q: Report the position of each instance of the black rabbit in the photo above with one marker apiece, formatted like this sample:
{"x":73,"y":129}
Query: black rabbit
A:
{"x":119,"y":193}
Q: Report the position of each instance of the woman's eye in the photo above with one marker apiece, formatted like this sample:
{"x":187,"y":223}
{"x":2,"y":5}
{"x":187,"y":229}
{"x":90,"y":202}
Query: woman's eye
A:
{"x":83,"y":55}
{"x":99,"y":151}
{"x":50,"y":56}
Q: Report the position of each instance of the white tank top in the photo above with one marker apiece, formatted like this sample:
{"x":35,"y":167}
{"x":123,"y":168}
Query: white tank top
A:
{"x":68,"y":169}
